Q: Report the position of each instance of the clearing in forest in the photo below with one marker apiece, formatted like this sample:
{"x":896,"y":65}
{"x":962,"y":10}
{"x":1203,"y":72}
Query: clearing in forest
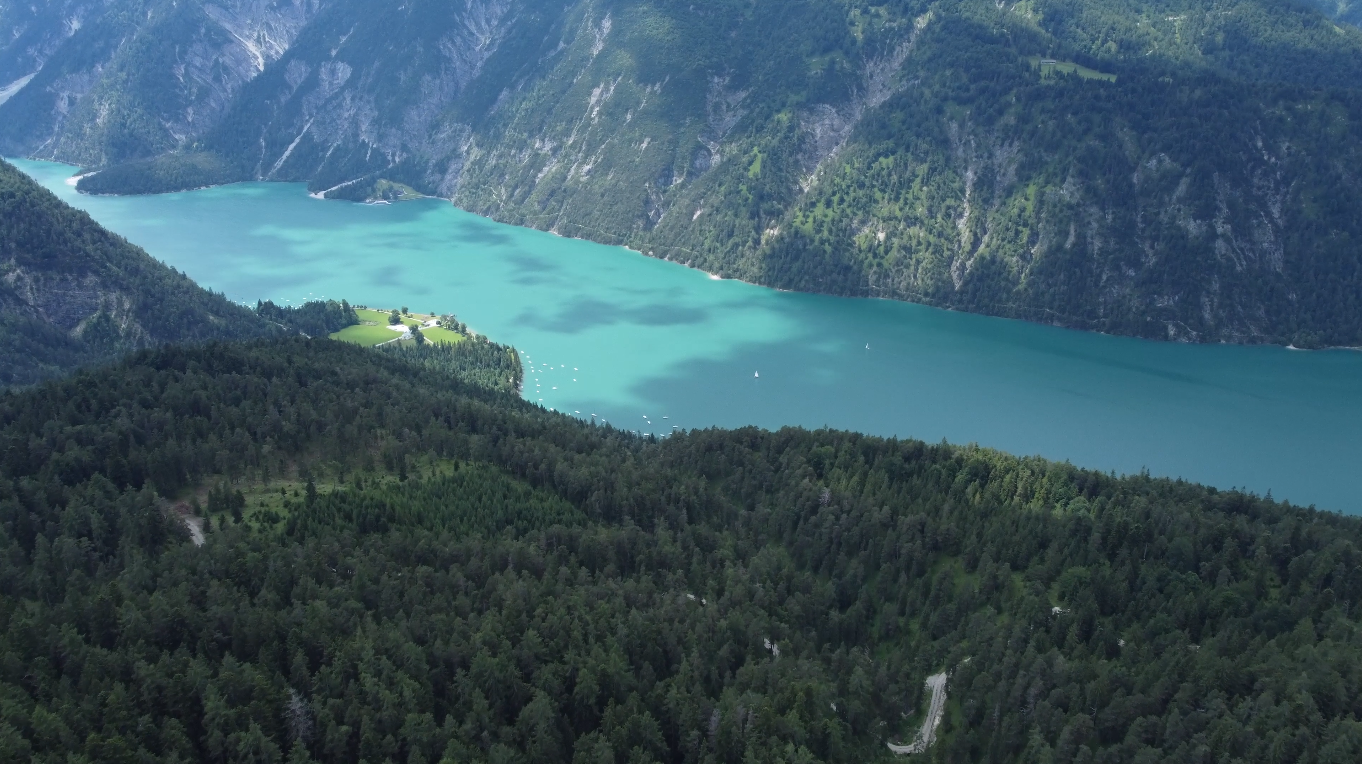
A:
{"x":365,"y":334}
{"x":374,"y":329}
{"x":1049,"y":67}
{"x":439,"y":334}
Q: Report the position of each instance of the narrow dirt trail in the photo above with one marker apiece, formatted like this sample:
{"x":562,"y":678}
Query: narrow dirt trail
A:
{"x":191,"y":521}
{"x":195,"y":526}
{"x":927,"y":735}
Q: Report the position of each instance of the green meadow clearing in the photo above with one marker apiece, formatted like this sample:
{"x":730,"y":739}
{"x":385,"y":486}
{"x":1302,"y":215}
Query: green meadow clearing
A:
{"x":380,"y":317}
{"x":269,"y":504}
{"x":1049,"y":67}
{"x":365,"y":334}
{"x":373,"y":329}
{"x":376,"y":316}
{"x":437,"y":334}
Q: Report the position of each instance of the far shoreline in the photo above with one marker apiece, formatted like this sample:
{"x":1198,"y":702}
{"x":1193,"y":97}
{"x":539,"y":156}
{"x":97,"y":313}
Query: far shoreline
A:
{"x":712,"y":276}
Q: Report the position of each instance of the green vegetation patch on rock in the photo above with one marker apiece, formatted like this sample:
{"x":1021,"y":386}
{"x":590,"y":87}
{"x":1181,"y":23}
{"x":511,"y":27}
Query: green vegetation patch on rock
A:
{"x":1049,"y":67}
{"x":171,"y":172}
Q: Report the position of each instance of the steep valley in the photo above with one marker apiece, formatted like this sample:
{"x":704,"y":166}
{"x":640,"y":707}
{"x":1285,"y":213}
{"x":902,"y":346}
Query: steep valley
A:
{"x":634,"y":339}
{"x":908,"y":150}
{"x":621,"y":511}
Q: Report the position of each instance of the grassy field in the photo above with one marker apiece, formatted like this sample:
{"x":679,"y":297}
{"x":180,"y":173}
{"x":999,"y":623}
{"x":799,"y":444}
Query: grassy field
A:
{"x":381,"y":317}
{"x":436,"y":334}
{"x":387,"y":190}
{"x":1049,"y":68}
{"x":374,"y":328}
{"x":365,"y":334}
{"x":376,"y":316}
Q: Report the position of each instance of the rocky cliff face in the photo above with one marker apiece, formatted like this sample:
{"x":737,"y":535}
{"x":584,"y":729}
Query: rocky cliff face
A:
{"x":1183,"y":175}
{"x":69,"y":303}
{"x":111,"y":81}
{"x":361,"y":97}
{"x":34,"y":31}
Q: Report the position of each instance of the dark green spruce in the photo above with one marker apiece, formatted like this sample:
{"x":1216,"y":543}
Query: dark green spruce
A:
{"x":315,"y":319}
{"x":406,"y":565}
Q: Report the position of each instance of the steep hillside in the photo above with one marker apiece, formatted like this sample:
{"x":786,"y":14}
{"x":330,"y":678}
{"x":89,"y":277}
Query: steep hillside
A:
{"x":402,"y":565}
{"x":104,"y":82}
{"x":1342,"y":10}
{"x":1178,"y":171}
{"x":72,"y":293}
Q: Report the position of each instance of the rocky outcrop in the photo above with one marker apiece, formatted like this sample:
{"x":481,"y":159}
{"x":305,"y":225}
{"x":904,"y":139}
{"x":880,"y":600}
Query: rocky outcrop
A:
{"x":80,"y":306}
{"x":346,"y":112}
{"x":112,"y":86}
{"x":829,"y":126}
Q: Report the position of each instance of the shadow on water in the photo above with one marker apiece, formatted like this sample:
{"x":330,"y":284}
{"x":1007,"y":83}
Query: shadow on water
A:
{"x":1214,"y":425}
{"x":528,"y":270}
{"x":654,"y":339}
{"x":391,"y":278}
{"x":586,"y":314}
{"x":476,"y":230}
{"x":526,"y":262}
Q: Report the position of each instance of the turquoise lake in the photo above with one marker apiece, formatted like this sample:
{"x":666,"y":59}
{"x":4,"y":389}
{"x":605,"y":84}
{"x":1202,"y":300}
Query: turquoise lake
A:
{"x":649,"y":345}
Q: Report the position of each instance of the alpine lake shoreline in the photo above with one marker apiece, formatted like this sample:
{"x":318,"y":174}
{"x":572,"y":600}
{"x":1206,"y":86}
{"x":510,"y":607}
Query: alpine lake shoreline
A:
{"x":656,"y":341}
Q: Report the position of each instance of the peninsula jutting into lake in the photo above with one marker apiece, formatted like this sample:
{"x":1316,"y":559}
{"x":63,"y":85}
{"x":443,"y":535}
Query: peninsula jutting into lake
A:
{"x":681,"y":382}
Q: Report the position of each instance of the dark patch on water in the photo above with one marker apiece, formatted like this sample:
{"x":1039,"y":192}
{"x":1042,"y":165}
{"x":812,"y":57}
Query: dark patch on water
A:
{"x":585,"y":314}
{"x":482,"y":232}
{"x":386,"y":277}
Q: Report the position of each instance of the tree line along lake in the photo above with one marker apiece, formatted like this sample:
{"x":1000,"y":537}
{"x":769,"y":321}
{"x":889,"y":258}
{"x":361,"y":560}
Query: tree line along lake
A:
{"x":649,"y":345}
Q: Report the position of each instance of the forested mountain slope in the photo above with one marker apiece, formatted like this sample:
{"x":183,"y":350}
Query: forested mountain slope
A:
{"x":405,"y":565}
{"x":1342,"y":10}
{"x":1181,"y":170}
{"x":72,"y":293}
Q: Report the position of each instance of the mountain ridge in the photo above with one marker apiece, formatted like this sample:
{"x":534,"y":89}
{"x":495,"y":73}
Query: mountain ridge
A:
{"x":908,"y":150}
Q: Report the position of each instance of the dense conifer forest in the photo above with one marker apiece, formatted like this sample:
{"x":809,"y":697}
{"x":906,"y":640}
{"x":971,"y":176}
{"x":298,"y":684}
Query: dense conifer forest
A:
{"x":403,"y":561}
{"x":238,"y":541}
{"x":318,"y":318}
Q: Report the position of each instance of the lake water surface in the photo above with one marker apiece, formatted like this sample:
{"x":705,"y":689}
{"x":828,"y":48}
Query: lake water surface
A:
{"x":650,"y":345}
